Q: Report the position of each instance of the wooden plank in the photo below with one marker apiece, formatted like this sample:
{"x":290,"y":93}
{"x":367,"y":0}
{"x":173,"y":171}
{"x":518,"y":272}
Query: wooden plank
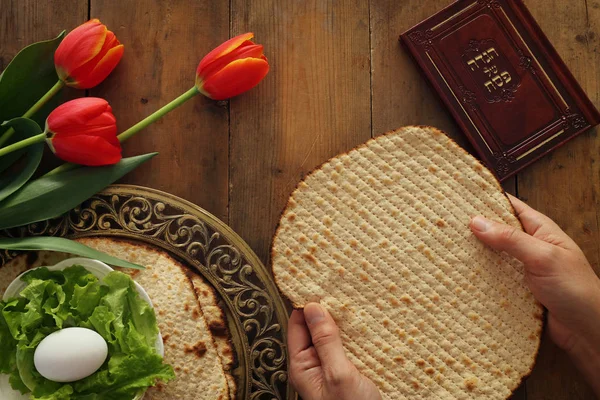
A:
{"x":23,"y":22}
{"x":401,"y":94}
{"x":314,"y":104}
{"x":164,"y":41}
{"x":565,"y":184}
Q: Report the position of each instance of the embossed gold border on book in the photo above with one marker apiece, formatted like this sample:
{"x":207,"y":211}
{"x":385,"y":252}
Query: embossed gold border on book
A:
{"x":534,"y":57}
{"x":455,"y":15}
{"x":557,"y":134}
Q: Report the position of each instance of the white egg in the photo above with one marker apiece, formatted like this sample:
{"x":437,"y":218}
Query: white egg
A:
{"x":70,"y":354}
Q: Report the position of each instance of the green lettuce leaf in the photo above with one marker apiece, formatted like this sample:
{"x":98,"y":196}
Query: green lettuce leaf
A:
{"x":123,"y":300}
{"x":127,"y":374}
{"x":12,"y":313}
{"x":16,"y":382}
{"x":101,"y":321}
{"x":53,"y":300}
{"x":64,"y":393}
{"x":8,"y":346}
{"x":86,"y":298}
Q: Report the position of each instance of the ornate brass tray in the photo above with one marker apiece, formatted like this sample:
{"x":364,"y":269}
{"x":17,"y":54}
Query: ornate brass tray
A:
{"x":255,"y":312}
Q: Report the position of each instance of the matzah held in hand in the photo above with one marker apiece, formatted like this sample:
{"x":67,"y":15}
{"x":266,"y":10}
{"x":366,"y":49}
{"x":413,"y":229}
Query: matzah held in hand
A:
{"x":380,"y":237}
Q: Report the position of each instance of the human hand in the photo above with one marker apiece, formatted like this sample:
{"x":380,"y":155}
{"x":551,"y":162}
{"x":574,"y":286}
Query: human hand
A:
{"x":559,"y":276}
{"x":319,"y":368}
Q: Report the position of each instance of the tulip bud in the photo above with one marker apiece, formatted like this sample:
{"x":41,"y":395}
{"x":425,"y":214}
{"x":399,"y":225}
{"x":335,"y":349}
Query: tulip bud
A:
{"x":232,"y":68}
{"x":84,"y":131}
{"x":87,"y":55}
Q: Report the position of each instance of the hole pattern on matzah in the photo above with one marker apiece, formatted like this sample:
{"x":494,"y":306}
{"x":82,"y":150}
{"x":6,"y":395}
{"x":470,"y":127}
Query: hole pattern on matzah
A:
{"x":365,"y":171}
{"x":452,"y":164}
{"x":366,"y":353}
{"x":513,"y":264}
{"x":519,"y":272}
{"x":375,"y":160}
{"x":422,"y":308}
{"x":385,"y":262}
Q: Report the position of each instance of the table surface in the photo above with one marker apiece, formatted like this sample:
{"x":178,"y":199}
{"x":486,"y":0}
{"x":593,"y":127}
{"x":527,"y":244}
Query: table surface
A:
{"x":338,"y":77}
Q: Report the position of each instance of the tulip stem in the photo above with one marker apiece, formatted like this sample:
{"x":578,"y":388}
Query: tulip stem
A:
{"x":35,"y":108}
{"x":23,"y":143}
{"x":155,"y":116}
{"x":158,"y":114}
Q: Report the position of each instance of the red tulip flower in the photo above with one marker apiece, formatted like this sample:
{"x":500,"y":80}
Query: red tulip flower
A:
{"x":232,"y":68}
{"x":87,"y":55}
{"x":84,"y":131}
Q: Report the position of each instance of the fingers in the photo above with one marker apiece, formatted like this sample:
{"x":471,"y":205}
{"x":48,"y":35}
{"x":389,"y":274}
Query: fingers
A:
{"x":524,"y":247}
{"x":303,"y":357}
{"x":298,"y":334}
{"x":531,"y":219}
{"x":517,"y":203}
{"x":540,"y":226}
{"x":327,"y":341}
{"x":319,"y":368}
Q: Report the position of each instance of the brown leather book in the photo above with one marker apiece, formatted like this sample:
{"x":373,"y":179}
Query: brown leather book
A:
{"x":502,"y":80}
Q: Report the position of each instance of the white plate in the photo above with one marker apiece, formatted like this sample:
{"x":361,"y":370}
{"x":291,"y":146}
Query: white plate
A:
{"x":99,"y":270}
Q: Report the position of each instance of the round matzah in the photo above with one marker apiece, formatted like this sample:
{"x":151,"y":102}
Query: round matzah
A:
{"x":380,"y":237}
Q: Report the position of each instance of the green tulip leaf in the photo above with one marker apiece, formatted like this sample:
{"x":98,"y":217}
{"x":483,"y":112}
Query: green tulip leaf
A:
{"x":11,"y":182}
{"x":27,"y":78}
{"x":63,"y":245}
{"x":11,"y":158}
{"x":53,"y":195}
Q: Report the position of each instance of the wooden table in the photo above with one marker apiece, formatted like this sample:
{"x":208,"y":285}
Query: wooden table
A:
{"x":338,"y":77}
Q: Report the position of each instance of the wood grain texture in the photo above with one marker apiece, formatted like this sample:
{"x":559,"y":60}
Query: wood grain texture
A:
{"x":314,"y":104}
{"x":164,"y":41}
{"x":566,"y":184}
{"x":401,"y":95}
{"x":23,"y":22}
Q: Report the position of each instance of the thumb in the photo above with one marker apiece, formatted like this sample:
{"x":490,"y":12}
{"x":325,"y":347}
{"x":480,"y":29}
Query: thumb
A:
{"x":327,"y":341}
{"x":527,"y":249}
